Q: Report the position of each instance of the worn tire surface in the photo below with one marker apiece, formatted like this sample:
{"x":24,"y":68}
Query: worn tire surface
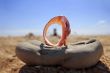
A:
{"x":81,"y":54}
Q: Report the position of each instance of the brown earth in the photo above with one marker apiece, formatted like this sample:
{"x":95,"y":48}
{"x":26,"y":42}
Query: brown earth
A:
{"x":9,"y":63}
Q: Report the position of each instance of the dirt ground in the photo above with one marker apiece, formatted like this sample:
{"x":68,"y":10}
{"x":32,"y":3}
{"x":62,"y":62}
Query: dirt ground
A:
{"x":9,"y":63}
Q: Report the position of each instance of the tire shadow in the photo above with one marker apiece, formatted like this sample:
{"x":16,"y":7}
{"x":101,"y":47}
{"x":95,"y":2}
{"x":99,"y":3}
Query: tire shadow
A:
{"x":100,"y":67}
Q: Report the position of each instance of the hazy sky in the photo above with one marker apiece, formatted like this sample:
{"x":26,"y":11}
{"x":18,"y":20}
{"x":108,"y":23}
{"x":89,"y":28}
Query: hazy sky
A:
{"x":18,"y":17}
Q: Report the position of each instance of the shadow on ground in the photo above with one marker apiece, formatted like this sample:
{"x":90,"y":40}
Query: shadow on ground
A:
{"x":98,"y":68}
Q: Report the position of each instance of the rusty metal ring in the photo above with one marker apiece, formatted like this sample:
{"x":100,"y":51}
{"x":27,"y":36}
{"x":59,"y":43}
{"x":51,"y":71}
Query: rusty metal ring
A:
{"x":61,"y":20}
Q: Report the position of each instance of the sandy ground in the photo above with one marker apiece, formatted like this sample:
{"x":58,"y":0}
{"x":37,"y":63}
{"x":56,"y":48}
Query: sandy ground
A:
{"x":9,"y":63}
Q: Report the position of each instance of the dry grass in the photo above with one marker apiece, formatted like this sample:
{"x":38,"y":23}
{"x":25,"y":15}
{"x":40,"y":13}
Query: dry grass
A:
{"x":9,"y":63}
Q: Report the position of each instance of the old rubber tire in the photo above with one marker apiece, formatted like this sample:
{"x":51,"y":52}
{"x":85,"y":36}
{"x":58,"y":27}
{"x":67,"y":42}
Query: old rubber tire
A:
{"x":77,"y":55}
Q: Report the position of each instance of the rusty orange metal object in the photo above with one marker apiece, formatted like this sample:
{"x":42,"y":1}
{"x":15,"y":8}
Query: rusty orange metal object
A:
{"x":61,"y":20}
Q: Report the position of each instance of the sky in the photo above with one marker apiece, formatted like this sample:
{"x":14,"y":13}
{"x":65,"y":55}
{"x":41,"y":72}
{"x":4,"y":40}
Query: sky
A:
{"x":86,"y":17}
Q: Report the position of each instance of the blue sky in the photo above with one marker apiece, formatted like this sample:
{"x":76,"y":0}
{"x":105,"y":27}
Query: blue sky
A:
{"x":19,"y":17}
